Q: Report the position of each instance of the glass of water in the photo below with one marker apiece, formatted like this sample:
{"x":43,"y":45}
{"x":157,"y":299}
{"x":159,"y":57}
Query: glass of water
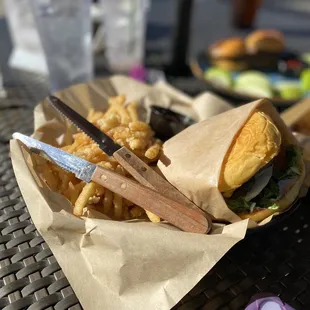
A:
{"x":64,"y":28}
{"x":124,"y":25}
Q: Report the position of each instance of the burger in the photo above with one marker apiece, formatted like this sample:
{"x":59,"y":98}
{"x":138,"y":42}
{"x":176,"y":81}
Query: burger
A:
{"x":262,"y":173}
{"x":267,"y":41}
{"x":228,"y":54}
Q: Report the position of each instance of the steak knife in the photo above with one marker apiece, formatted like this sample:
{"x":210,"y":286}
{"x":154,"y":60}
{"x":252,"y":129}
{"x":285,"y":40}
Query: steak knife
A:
{"x":132,"y":163}
{"x":175,"y":213}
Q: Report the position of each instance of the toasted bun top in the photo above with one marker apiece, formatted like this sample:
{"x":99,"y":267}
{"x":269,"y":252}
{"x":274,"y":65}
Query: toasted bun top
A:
{"x":265,"y":40}
{"x":257,"y":143}
{"x":232,"y":47}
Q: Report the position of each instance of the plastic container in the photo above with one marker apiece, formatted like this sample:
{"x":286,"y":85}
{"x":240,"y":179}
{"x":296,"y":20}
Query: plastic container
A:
{"x":65,"y":32}
{"x":124,"y":25}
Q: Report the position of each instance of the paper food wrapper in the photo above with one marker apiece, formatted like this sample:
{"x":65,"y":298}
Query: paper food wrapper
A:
{"x":109,"y":264}
{"x":297,"y":118}
{"x":27,"y":51}
{"x":298,"y":114}
{"x":192,"y":160}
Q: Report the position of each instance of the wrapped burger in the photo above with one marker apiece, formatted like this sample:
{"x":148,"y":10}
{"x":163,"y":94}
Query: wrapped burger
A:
{"x":244,"y":163}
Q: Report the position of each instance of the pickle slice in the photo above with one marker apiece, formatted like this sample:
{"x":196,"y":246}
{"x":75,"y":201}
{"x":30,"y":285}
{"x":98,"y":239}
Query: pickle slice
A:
{"x":255,"y":90}
{"x":289,"y":90}
{"x":250,"y":78}
{"x":305,"y":80}
{"x":219,"y":77}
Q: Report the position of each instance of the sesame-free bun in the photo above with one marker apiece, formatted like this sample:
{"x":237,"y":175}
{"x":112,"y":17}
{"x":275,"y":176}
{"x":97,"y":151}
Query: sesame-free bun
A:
{"x":285,"y":202}
{"x":226,"y":54}
{"x":268,"y":41}
{"x":233,"y":47}
{"x":230,"y":65}
{"x":256,"y":144}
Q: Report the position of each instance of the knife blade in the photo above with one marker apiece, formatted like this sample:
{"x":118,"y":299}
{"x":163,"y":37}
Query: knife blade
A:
{"x":132,"y":163}
{"x":175,"y":213}
{"x":105,"y":143}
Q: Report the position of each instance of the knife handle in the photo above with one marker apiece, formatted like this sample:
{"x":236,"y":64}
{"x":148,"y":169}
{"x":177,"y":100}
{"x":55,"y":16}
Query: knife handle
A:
{"x":175,"y":213}
{"x":145,"y":175}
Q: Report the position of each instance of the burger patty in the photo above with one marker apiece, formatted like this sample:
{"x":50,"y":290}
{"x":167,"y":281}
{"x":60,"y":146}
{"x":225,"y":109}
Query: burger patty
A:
{"x":269,"y":185}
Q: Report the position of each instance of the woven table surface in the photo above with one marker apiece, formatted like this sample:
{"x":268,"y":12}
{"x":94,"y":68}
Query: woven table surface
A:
{"x":276,"y":260}
{"x":30,"y":277}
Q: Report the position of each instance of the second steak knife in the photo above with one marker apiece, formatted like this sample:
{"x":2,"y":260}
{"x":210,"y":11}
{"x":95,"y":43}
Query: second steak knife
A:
{"x":132,"y":163}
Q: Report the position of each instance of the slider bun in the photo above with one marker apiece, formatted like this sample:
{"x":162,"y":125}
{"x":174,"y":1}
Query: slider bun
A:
{"x":230,"y":65}
{"x":270,"y":41}
{"x":233,"y":47}
{"x":283,"y":203}
{"x":256,"y":144}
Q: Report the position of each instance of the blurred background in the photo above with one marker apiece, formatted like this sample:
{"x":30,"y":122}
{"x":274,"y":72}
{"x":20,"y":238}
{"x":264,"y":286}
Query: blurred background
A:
{"x":73,"y":41}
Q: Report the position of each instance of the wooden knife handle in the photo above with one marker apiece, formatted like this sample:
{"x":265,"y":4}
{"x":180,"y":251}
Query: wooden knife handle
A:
{"x":148,"y":177}
{"x":175,"y":213}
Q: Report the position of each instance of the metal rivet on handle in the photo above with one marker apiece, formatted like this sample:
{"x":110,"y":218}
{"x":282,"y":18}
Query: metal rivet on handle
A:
{"x":103,"y":177}
{"x":123,"y":186}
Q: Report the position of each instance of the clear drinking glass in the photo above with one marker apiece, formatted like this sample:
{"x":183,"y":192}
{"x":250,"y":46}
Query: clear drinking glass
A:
{"x":124,"y":26}
{"x":64,"y":28}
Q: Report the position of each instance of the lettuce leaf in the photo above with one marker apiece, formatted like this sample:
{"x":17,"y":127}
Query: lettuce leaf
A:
{"x":238,"y":205}
{"x":266,"y":199}
{"x":271,"y":193}
{"x":292,"y":170}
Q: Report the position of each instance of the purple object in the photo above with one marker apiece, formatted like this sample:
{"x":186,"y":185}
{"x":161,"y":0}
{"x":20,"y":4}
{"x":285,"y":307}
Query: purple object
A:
{"x":267,"y":303}
{"x":138,"y":73}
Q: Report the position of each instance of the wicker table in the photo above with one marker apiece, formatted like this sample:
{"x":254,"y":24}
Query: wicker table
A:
{"x":276,"y":260}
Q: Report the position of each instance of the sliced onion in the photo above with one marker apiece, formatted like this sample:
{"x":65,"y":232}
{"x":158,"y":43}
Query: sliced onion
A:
{"x":253,"y":204}
{"x":261,"y":179}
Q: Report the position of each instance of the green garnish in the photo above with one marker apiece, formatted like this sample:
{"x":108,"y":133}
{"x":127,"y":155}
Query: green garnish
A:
{"x":268,"y":197}
{"x":293,"y":154}
{"x":274,"y":207}
{"x":238,"y":205}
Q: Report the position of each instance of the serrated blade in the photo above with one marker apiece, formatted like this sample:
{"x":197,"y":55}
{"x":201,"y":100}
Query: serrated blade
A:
{"x":81,"y":168}
{"x":105,"y":143}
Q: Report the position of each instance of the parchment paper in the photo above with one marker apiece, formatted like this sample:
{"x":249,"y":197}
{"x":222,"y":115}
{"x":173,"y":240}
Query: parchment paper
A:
{"x":192,"y":160}
{"x":297,"y":118}
{"x":115,"y":265}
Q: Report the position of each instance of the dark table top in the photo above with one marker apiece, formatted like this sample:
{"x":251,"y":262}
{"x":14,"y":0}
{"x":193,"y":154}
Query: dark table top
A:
{"x":276,"y":260}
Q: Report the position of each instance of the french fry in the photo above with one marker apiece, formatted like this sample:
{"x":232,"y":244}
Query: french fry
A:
{"x":137,"y":144}
{"x":125,"y":119}
{"x":117,"y":100}
{"x":87,"y":192}
{"x":73,"y":191}
{"x":132,"y":111}
{"x":108,"y":123}
{"x":136,"y":212}
{"x":153,"y":151}
{"x":107,"y":201}
{"x":50,"y":179}
{"x":118,"y":205}
{"x":126,"y":213}
{"x":152,"y":217}
{"x":65,"y":182}
{"x":142,"y":134}
{"x":121,"y":123}
{"x":138,"y":126}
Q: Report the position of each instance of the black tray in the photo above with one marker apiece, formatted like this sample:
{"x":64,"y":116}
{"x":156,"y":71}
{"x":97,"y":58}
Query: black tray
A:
{"x":201,"y":63}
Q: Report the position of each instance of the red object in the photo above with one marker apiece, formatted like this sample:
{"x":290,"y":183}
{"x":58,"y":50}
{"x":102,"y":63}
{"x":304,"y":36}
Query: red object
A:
{"x":293,"y":64}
